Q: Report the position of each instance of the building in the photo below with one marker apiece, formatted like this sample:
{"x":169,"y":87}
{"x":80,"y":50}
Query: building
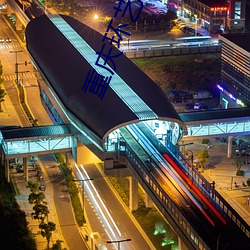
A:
{"x":235,"y":70}
{"x":218,"y":15}
{"x":236,"y":15}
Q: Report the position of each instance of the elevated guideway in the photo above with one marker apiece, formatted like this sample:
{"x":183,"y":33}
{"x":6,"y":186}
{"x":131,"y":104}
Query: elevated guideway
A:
{"x":19,"y":12}
{"x":93,"y":120}
{"x":145,"y":162}
{"x":226,"y":122}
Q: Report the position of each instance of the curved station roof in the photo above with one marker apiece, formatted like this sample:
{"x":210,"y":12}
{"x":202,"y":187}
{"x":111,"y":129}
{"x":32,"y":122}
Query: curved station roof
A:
{"x":65,"y":50}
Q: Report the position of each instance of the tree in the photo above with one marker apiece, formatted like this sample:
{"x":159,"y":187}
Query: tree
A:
{"x":2,"y":91}
{"x":202,"y":157}
{"x":238,"y":162}
{"x":2,"y":94}
{"x":46,"y":230}
{"x":41,"y":212}
{"x":33,"y":186}
{"x":37,"y":198}
{"x":58,"y":245}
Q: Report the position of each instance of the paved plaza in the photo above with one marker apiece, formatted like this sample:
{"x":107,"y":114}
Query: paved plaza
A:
{"x":221,"y":169}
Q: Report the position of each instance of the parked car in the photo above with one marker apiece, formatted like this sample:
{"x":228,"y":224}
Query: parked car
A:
{"x":1,"y":40}
{"x":197,"y":105}
{"x":8,"y":40}
{"x":42,"y":186}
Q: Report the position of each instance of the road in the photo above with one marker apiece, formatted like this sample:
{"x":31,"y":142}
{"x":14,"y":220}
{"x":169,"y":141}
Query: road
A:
{"x":118,"y":223}
{"x":63,"y":204}
{"x":104,"y":212}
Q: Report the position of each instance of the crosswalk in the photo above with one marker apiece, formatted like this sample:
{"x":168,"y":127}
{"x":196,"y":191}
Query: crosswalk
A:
{"x":10,"y":46}
{"x":22,"y":78}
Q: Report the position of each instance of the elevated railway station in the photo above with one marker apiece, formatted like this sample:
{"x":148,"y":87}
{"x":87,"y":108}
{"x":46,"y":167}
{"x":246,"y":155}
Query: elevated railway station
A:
{"x":63,"y":51}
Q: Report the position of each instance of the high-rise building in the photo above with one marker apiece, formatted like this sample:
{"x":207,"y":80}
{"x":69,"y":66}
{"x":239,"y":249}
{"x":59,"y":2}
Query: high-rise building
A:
{"x":235,"y":70}
{"x":236,"y":14}
{"x":219,"y":15}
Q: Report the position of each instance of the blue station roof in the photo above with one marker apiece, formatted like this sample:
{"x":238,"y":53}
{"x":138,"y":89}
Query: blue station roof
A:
{"x":65,"y":50}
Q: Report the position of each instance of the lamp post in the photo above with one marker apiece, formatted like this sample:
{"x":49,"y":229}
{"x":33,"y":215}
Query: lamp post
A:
{"x":16,"y":64}
{"x":96,"y":18}
{"x":196,"y":24}
{"x":183,"y":145}
{"x":191,"y":156}
{"x":218,"y":241}
{"x":82,"y":181}
{"x":117,"y":241}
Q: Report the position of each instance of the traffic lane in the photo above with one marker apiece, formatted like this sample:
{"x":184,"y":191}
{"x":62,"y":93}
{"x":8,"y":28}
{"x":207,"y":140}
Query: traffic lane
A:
{"x":63,"y":205}
{"x":14,"y":97}
{"x":35,"y":104}
{"x":120,"y":216}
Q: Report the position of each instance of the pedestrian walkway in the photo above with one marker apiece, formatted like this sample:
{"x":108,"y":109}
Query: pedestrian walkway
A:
{"x":221,"y":169}
{"x":22,"y":199}
{"x":8,"y":115}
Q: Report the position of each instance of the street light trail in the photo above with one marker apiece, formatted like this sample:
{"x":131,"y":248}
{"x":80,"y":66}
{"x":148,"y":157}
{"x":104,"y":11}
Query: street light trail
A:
{"x":94,"y":194}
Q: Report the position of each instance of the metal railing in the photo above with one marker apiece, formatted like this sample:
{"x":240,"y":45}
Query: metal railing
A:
{"x":170,"y":211}
{"x":172,"y":51}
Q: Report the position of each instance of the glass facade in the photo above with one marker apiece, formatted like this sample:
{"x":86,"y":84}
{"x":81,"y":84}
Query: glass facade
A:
{"x":235,"y":71}
{"x":35,"y":146}
{"x":237,"y":10}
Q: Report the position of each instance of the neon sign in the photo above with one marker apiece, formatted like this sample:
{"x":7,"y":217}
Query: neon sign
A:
{"x":218,"y":8}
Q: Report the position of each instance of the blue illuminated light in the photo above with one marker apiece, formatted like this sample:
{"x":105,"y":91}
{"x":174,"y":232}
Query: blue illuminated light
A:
{"x":220,"y":88}
{"x":232,"y":97}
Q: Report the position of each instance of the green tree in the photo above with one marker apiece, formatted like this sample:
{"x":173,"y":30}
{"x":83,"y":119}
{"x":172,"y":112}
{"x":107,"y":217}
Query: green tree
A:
{"x":33,"y":186}
{"x":46,"y":230}
{"x":58,"y":245}
{"x":37,"y":198}
{"x":202,"y":157}
{"x":2,"y":94}
{"x":2,"y":91}
{"x":238,"y":162}
{"x":41,"y":212}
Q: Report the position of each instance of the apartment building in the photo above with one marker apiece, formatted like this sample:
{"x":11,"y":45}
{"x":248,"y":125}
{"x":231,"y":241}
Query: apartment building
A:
{"x":217,"y":15}
{"x":235,"y":70}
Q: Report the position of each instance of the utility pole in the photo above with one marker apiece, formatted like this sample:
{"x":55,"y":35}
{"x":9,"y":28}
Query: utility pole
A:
{"x":16,"y":64}
{"x":118,"y":242}
{"x":82,"y":181}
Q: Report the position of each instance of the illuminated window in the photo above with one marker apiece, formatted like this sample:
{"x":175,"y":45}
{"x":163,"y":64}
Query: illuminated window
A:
{"x":237,"y":10}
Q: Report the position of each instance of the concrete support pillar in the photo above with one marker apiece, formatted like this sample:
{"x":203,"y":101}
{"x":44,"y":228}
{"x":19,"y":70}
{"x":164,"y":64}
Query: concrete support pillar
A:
{"x":25,"y":168}
{"x":7,"y":170}
{"x":229,"y":146}
{"x":133,"y":193}
{"x":85,"y":156}
{"x":148,"y":201}
{"x":67,"y":159}
{"x":19,"y":25}
{"x":9,"y":11}
{"x":181,"y":245}
{"x":2,"y":158}
{"x":108,"y":164}
{"x":74,"y":149}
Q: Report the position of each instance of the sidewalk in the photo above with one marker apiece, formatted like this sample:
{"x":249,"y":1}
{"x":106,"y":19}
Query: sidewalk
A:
{"x":220,"y":169}
{"x":22,"y":200}
{"x":8,"y":116}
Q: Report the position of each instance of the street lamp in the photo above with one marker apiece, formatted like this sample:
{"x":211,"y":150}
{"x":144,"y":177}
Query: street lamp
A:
{"x":16,"y":64}
{"x":191,"y":156}
{"x":117,"y":241}
{"x":96,"y":18}
{"x":83,"y":180}
{"x":196,"y":20}
{"x":183,"y":145}
{"x":218,"y":241}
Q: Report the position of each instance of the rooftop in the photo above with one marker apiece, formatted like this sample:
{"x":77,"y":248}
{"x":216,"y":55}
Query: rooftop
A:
{"x":240,"y":39}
